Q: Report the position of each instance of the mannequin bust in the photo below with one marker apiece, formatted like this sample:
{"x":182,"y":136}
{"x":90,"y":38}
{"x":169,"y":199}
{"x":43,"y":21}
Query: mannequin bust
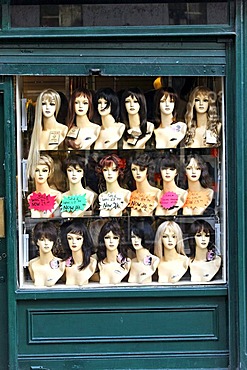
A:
{"x":168,"y":132}
{"x":111,"y":130}
{"x":144,"y":265}
{"x":78,"y":248}
{"x":46,"y":269}
{"x":134,"y":115}
{"x":204,"y":263}
{"x":145,"y":198}
{"x":172,"y":198}
{"x":202,"y":119}
{"x":200,"y":194}
{"x":47,"y":134}
{"x":44,"y":201}
{"x":77,"y":200}
{"x":115,"y":199}
{"x":169,"y":247}
{"x":82,"y":133}
{"x":112,"y":259}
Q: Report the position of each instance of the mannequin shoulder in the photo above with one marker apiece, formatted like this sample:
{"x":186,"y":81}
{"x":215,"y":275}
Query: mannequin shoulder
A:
{"x":150,"y":127}
{"x":121,"y":127}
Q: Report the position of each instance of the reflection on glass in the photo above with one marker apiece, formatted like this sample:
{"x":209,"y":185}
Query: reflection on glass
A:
{"x":138,"y":14}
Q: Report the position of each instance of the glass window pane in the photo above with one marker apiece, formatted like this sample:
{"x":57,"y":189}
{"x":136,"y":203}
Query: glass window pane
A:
{"x":115,"y":14}
{"x":141,"y":203}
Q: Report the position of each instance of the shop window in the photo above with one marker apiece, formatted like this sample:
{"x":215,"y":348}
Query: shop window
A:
{"x":121,"y":185}
{"x":95,"y":14}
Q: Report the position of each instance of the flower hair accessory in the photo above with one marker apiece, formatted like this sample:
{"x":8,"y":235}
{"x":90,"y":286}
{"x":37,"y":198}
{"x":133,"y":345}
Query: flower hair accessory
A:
{"x":121,"y":260}
{"x":54,"y":264}
{"x":147,"y":261}
{"x":69,"y":262}
{"x":210,"y":255}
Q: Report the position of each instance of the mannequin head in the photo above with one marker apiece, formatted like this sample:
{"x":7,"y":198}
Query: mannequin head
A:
{"x":113,"y":164}
{"x":45,"y":231}
{"x":52,"y":99}
{"x":201,"y":100}
{"x":140,"y":166}
{"x":47,"y":97}
{"x":133,"y":101}
{"x":110,"y":228}
{"x":76,"y":236}
{"x":168,"y":235}
{"x":169,"y":167}
{"x":106,"y":101}
{"x":142,"y":234}
{"x":196,"y":169}
{"x":74,"y":166}
{"x":165,"y":101}
{"x":45,"y":165}
{"x":201,"y":236}
{"x":80,"y":98}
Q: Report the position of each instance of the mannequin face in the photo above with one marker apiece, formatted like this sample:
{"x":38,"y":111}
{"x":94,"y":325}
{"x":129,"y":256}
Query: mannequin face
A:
{"x":103,"y":111}
{"x":48,"y":107}
{"x":193,"y":171}
{"x":111,"y":241}
{"x":42,"y":172}
{"x":132,"y":105}
{"x":81,"y":105}
{"x":168,"y":174}
{"x":110,"y":173}
{"x":75,"y":241}
{"x":169,"y":239}
{"x":136,"y":241}
{"x":167,"y":104}
{"x":75,"y":174}
{"x":201,"y":104}
{"x":45,"y":245}
{"x":202,"y":239}
{"x":139,"y":173}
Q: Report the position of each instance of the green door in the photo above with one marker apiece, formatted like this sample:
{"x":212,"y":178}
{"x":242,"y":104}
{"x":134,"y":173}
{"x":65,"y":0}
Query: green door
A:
{"x":3,"y":249}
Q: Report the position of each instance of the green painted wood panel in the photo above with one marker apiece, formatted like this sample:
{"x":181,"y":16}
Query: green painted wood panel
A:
{"x":164,"y":331}
{"x":114,"y":58}
{"x":3,"y":253}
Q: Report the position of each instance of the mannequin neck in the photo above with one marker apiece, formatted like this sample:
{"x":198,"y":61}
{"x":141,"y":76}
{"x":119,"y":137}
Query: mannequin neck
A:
{"x":134,"y":120}
{"x":107,"y":121}
{"x":113,"y":187}
{"x":78,"y":257}
{"x":169,"y":186}
{"x":201,"y":119}
{"x":49,"y":123}
{"x":201,"y":254}
{"x":111,"y":256}
{"x":82,"y":121}
{"x":76,"y":188}
{"x":141,"y":254}
{"x":143,"y":187}
{"x":195,"y":186}
{"x":166,"y":120}
{"x":170,"y":254}
{"x":42,"y":188}
{"x":45,"y":258}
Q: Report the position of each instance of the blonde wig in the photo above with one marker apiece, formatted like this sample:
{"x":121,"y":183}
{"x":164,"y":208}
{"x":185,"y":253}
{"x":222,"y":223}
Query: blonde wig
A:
{"x":158,"y":242}
{"x":46,"y":160}
{"x":190,"y":115}
{"x":33,"y":156}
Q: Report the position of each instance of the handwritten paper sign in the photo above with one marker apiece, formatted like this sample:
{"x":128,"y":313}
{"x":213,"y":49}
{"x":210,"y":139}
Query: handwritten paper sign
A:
{"x":109,"y":201}
{"x":169,"y":200}
{"x":72,"y":203}
{"x":197,"y":199}
{"x":42,"y":202}
{"x":142,"y":202}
